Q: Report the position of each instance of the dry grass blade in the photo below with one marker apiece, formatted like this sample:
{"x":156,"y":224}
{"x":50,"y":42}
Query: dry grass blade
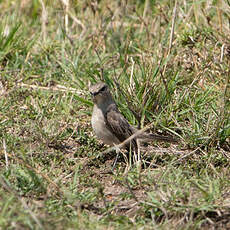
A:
{"x":59,"y":88}
{"x":44,"y":20}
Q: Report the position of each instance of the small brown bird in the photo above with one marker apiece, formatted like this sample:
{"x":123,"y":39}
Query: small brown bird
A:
{"x":109,"y":124}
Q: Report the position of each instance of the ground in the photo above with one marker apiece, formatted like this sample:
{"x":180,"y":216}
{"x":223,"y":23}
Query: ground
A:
{"x":167,"y":65}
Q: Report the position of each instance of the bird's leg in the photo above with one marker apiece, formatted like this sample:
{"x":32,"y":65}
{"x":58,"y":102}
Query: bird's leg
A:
{"x":138,"y":157}
{"x":115,"y":161}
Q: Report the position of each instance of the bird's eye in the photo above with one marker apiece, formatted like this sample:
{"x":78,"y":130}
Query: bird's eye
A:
{"x":103,"y":88}
{"x":98,"y":92}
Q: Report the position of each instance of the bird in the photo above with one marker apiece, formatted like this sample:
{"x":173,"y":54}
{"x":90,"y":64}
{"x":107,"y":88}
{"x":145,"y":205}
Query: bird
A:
{"x":109,"y":125}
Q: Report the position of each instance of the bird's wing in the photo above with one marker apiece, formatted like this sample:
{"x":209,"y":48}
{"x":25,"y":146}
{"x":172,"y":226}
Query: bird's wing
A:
{"x":118,"y":125}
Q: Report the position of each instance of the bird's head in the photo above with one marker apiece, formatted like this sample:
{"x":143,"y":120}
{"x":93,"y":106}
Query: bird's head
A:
{"x":100,"y":93}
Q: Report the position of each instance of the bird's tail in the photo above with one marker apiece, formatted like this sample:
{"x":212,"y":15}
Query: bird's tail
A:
{"x":152,"y":137}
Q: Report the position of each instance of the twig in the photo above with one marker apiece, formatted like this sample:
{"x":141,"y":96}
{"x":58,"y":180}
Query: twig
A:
{"x":171,"y":34}
{"x":66,"y":7}
{"x":173,"y":27}
{"x":181,"y":158}
{"x":5,"y":153}
{"x":219,"y":13}
{"x":60,"y":88}
{"x":68,"y":13}
{"x":44,"y":19}
{"x":139,"y":132}
{"x":131,"y":74}
{"x":222,"y":53}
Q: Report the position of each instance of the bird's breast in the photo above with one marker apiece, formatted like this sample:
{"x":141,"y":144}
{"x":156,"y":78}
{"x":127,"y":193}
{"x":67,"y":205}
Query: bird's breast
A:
{"x":101,"y":129}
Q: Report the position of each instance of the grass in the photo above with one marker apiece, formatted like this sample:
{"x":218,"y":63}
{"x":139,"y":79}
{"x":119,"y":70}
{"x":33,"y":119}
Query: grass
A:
{"x":164,"y":67}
